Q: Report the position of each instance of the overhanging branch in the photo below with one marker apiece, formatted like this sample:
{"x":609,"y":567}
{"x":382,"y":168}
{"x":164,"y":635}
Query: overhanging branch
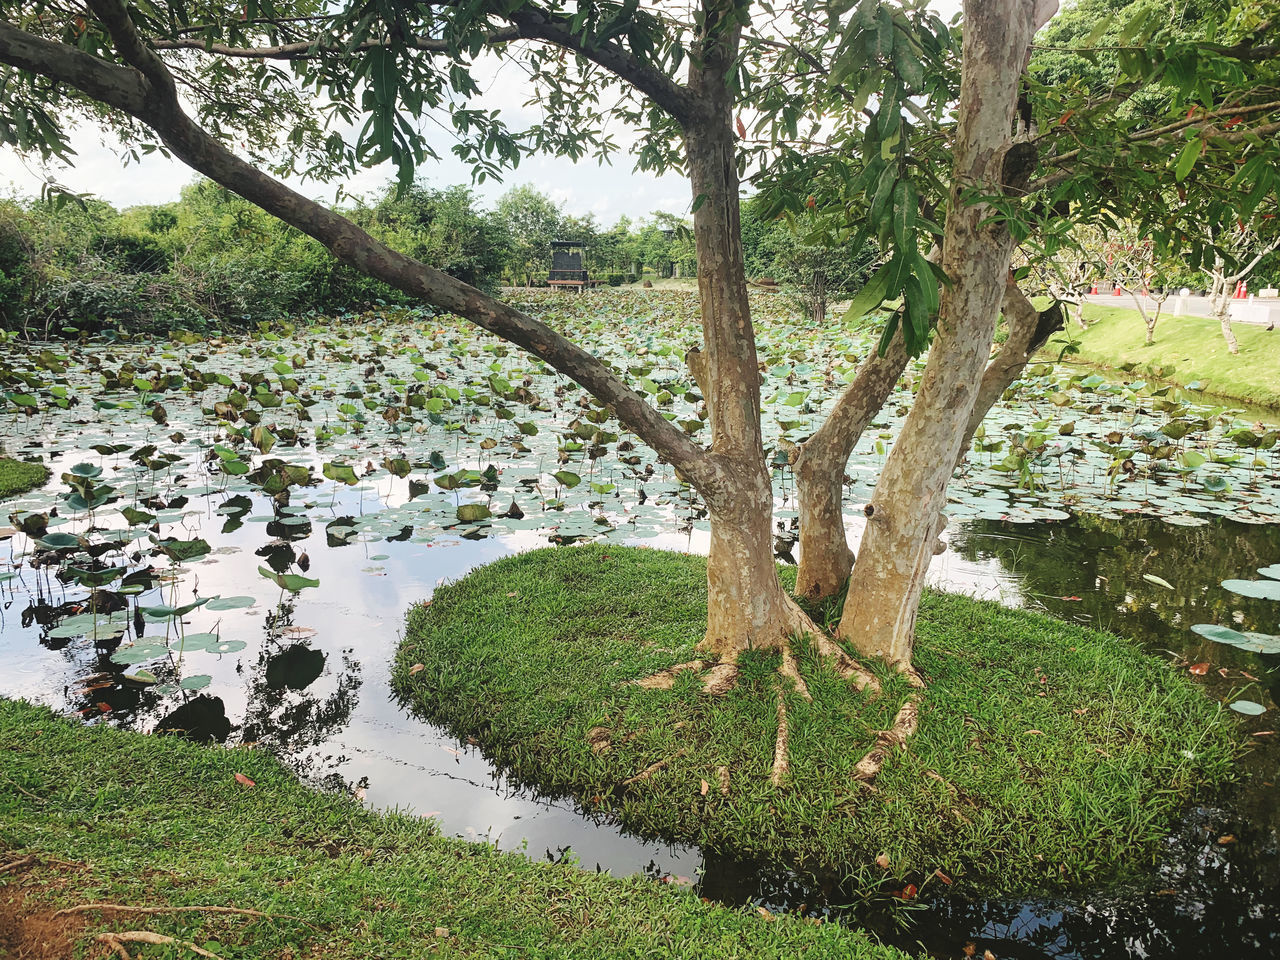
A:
{"x":147,"y":94}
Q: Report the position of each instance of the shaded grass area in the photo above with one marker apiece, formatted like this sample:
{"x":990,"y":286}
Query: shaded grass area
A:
{"x":1046,"y":753}
{"x":145,"y":820}
{"x":1187,"y":349}
{"x":18,"y":476}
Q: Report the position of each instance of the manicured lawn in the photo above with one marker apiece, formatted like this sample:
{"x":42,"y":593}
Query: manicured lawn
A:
{"x":1187,"y":349}
{"x":18,"y":476}
{"x":1046,"y":754}
{"x":93,"y":815}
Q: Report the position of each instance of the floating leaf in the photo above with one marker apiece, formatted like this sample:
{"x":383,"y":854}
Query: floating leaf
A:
{"x":231,"y":603}
{"x":288,"y":581}
{"x":1258,"y":589}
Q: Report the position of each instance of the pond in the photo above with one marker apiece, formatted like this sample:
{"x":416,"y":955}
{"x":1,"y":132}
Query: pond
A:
{"x":244,"y":521}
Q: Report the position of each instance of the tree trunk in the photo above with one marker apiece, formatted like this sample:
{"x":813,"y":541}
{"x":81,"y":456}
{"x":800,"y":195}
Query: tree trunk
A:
{"x":903,"y":516}
{"x":746,"y":605}
{"x":1029,"y":330}
{"x":820,"y":463}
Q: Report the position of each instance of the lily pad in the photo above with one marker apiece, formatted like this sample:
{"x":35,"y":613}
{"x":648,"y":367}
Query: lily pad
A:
{"x":1258,"y":589}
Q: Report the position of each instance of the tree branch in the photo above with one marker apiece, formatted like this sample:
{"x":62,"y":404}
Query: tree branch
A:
{"x":527,"y":24}
{"x":1029,"y":330}
{"x":147,"y":93}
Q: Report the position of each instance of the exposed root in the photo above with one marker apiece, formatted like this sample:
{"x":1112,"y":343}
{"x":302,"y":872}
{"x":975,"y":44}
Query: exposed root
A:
{"x":846,"y":666}
{"x":720,"y":679}
{"x":791,"y":670}
{"x":117,"y":941}
{"x":598,"y":737}
{"x":904,"y":725}
{"x":652,"y":768}
{"x":666,"y":679}
{"x":17,"y":864}
{"x":120,"y":908}
{"x":780,"y":762}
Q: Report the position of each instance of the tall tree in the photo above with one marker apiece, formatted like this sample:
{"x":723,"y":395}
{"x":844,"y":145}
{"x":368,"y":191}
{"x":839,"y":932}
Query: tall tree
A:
{"x":532,"y":221}
{"x":383,"y":63}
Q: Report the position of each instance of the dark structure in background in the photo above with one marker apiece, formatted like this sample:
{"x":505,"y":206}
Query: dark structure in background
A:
{"x":566,"y":265}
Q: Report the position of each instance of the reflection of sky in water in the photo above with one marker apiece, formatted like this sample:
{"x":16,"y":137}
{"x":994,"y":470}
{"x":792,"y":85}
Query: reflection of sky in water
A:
{"x":345,"y":723}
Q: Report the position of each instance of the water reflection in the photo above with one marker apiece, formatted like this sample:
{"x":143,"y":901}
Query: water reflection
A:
{"x":312,"y":685}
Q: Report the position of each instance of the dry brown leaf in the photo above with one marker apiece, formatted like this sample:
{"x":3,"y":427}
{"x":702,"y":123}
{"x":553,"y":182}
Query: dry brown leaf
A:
{"x":705,"y":787}
{"x":416,"y":668}
{"x":244,"y":781}
{"x":1199,"y":669}
{"x":882,"y":861}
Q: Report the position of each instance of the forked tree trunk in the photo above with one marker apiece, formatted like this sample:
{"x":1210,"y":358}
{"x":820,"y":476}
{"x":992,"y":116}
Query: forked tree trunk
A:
{"x":820,"y":463}
{"x":884,"y":590}
{"x":746,"y":606}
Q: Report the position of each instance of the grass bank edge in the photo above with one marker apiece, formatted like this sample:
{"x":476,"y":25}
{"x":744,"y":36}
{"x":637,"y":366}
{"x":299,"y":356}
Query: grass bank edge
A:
{"x":112,"y":816}
{"x":1048,"y":755}
{"x":1186,"y":350}
{"x":19,"y":476}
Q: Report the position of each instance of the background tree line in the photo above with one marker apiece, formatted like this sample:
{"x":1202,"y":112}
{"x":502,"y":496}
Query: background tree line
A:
{"x":211,"y":258}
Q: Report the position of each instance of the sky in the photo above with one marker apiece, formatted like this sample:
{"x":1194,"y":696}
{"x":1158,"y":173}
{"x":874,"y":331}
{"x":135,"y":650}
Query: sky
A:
{"x":608,"y":191}
{"x":582,"y":188}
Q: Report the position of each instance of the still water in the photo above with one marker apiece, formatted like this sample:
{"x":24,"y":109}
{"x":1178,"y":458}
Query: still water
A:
{"x":311,"y":682}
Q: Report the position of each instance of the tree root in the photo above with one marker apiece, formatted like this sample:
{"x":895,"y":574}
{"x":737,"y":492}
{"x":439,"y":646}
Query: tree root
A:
{"x":666,"y":679}
{"x":17,"y":864}
{"x":653,"y":768}
{"x":720,"y":677}
{"x":791,"y":670}
{"x":846,"y":666}
{"x":121,"y":908}
{"x":117,"y":941}
{"x":904,"y":725}
{"x":780,"y":762}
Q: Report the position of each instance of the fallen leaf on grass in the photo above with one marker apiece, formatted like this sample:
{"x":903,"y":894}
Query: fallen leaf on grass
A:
{"x":1199,"y":669}
{"x":416,"y":668}
{"x":704,"y":788}
{"x":442,"y":931}
{"x":882,"y":861}
{"x":943,"y":877}
{"x":244,"y":781}
{"x":1034,"y":733}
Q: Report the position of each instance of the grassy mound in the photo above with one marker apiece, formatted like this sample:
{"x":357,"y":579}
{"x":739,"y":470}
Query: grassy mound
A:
{"x":93,"y":815}
{"x":1187,"y":349}
{"x":1045,"y":753}
{"x":18,"y":476}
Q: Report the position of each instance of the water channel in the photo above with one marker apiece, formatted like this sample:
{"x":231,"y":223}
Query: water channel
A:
{"x":306,"y":675}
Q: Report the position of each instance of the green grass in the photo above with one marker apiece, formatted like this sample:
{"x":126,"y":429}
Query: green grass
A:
{"x":119,"y":817}
{"x":18,"y":476}
{"x":1187,"y":349}
{"x":1046,"y":754}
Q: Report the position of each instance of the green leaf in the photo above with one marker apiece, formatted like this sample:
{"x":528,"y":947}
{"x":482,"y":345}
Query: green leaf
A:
{"x":870,"y":296}
{"x":341,"y":473}
{"x":473,"y":512}
{"x":567,"y":478}
{"x":1187,"y":159}
{"x":288,"y":581}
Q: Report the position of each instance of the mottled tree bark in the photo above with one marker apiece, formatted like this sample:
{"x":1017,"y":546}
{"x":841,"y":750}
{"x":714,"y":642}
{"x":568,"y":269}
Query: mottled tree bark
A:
{"x":746,"y":606}
{"x":903,"y":517}
{"x":825,"y":557}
